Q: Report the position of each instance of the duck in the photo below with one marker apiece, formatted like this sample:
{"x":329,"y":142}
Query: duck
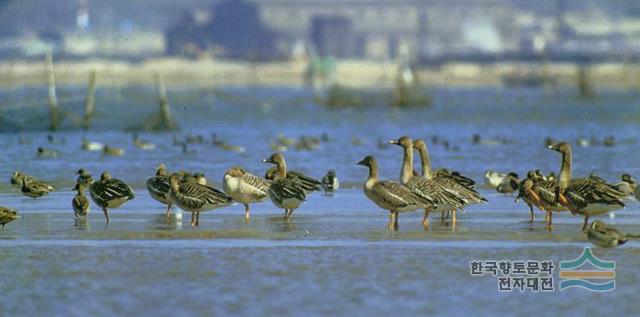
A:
{"x":195,"y":198}
{"x":143,"y":144}
{"x":84,"y":177}
{"x":307,"y":143}
{"x":80,"y":203}
{"x":330,"y":182}
{"x":46,"y":153}
{"x":112,"y":151}
{"x":627,"y":185}
{"x":244,"y":187}
{"x":159,"y":187}
{"x":110,"y":192}
{"x":35,"y":189}
{"x":493,"y":178}
{"x":91,"y":146}
{"x":390,"y":195}
{"x":584,"y":196}
{"x":309,"y":184}
{"x":17,"y":177}
{"x":285,"y":192}
{"x":431,"y":189}
{"x":607,"y":236}
{"x":7,"y":215}
{"x":509,"y":185}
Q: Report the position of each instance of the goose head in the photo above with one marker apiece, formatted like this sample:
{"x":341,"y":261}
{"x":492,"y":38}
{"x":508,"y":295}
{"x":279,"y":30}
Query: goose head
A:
{"x":368,"y":161}
{"x":275,"y":158}
{"x":627,"y":178}
{"x":403,"y":141}
{"x":161,"y":170}
{"x":105,"y":176}
{"x":235,"y":172}
{"x":562,"y":147}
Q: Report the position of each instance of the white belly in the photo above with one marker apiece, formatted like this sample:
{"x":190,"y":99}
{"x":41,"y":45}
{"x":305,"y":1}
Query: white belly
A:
{"x":598,"y":209}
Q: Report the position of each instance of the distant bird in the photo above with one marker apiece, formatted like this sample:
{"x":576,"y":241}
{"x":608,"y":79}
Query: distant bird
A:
{"x":84,"y":178}
{"x":285,"y":192}
{"x":609,"y":141}
{"x":110,"y":193}
{"x":194,"y":139}
{"x":356,"y":141}
{"x":159,"y":187}
{"x":627,"y":185}
{"x":307,"y":143}
{"x":606,"y":236}
{"x":195,"y":198}
{"x":46,"y":153}
{"x":52,"y":140}
{"x":17,"y":177}
{"x":7,"y":215}
{"x":35,"y":189}
{"x":493,"y":179}
{"x":112,"y":151}
{"x":309,"y":184}
{"x":244,"y":187}
{"x":80,"y":203}
{"x":143,"y":144}
{"x":91,"y":146}
{"x":330,"y":182}
{"x":389,"y":195}
{"x":509,"y":185}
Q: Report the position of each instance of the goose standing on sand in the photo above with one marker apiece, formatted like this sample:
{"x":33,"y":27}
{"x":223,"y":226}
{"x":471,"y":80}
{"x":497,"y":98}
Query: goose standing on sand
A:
{"x":390,"y":195}
{"x":509,"y":185}
{"x":7,"y":215}
{"x":309,"y":184}
{"x":110,"y":193}
{"x":330,"y":183}
{"x":540,"y":193}
{"x":606,"y":236}
{"x":244,"y":187}
{"x":195,"y":198}
{"x":80,"y":203}
{"x":584,"y":196}
{"x":159,"y":187}
{"x":35,"y":189}
{"x":468,"y":194}
{"x":443,"y":199}
{"x":285,"y":192}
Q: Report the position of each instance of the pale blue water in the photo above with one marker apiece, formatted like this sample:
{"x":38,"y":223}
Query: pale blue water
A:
{"x":337,"y":257}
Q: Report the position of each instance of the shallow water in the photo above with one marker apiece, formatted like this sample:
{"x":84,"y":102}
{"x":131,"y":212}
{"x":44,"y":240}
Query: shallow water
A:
{"x":336,"y":257}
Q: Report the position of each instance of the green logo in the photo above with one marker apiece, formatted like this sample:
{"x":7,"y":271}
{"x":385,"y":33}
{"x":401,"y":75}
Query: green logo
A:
{"x":572,"y":276}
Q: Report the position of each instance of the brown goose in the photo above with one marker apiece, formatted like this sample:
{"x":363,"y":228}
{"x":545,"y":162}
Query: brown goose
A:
{"x":285,"y":192}
{"x":80,"y":203}
{"x":7,"y":215}
{"x":244,"y":187}
{"x":445,"y":199}
{"x":84,"y":177}
{"x":17,"y":177}
{"x":195,"y":198}
{"x":159,"y":187}
{"x":390,"y":195}
{"x":110,"y":193}
{"x":584,"y":196}
{"x":540,"y":193}
{"x":35,"y":189}
{"x":308,"y":183}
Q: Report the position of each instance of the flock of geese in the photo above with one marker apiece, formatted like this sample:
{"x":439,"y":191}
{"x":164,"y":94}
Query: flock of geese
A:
{"x":441,"y":191}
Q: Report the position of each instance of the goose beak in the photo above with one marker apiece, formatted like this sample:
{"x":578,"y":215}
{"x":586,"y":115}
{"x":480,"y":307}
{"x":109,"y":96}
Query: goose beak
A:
{"x":361,"y":162}
{"x":394,"y":141}
{"x":266,"y":161}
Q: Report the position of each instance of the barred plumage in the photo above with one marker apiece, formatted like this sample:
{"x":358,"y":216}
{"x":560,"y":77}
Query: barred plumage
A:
{"x":309,"y":184}
{"x":80,"y":203}
{"x":159,"y":187}
{"x":7,"y":215}
{"x":244,"y":187}
{"x":110,"y":193}
{"x":195,"y":198}
{"x":286,"y":192}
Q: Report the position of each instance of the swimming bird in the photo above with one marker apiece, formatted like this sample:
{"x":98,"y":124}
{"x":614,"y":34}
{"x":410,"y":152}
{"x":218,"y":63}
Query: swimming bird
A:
{"x":606,"y":236}
{"x":46,"y":153}
{"x":17,"y":177}
{"x":493,"y":179}
{"x":285,"y":192}
{"x":330,"y":182}
{"x":112,"y":151}
{"x":309,"y":184}
{"x":390,"y":195}
{"x":509,"y":184}
{"x":143,"y":144}
{"x":91,"y":146}
{"x":584,"y":196}
{"x":244,"y":187}
{"x":159,"y":187}
{"x":84,"y":178}
{"x":35,"y":189}
{"x":7,"y":215}
{"x":195,"y":198}
{"x":80,"y":203}
{"x":110,"y":193}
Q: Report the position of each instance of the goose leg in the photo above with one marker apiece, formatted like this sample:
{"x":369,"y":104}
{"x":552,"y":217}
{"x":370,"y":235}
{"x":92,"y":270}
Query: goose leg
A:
{"x":246,"y":213}
{"x":531,"y":211}
{"x":106,"y":214}
{"x":193,"y":218}
{"x":393,"y":220}
{"x":586,"y":223}
{"x":549,"y":220}
{"x":197,"y":218}
{"x":442,"y":216}
{"x":3,"y":226}
{"x":168,"y":210}
{"x":453,"y":217}
{"x":425,"y":220}
{"x":395,"y":223}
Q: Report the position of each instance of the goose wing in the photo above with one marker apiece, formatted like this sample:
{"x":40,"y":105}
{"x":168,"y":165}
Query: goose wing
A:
{"x":399,"y":195}
{"x":256,"y":182}
{"x":584,"y":191}
{"x":197,"y":196}
{"x":457,"y":177}
{"x":110,"y":189}
{"x":159,"y":186}
{"x":282,"y":189}
{"x":308,"y":183}
{"x":436,"y":192}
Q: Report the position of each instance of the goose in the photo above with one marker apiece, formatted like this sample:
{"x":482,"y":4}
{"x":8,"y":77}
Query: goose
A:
{"x":232,"y":148}
{"x":80,"y":203}
{"x":493,"y":179}
{"x":110,"y":193}
{"x":143,"y":144}
{"x":195,"y":198}
{"x":46,"y":153}
{"x":84,"y":177}
{"x":540,"y":193}
{"x":200,"y":179}
{"x":91,"y":146}
{"x":390,"y":195}
{"x":159,"y":187}
{"x":285,"y":192}
{"x":455,"y":176}
{"x":309,"y":184}
{"x":443,"y":199}
{"x":330,"y":182}
{"x":606,"y":236}
{"x":7,"y":215}
{"x":468,"y":194}
{"x":35,"y":189}
{"x":627,"y":185}
{"x":17,"y":177}
{"x":584,"y":196}
{"x":244,"y":187}
{"x":112,"y":151}
{"x":509,"y":185}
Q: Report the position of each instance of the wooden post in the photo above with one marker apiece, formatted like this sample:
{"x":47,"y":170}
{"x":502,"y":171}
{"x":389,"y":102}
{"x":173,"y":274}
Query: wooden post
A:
{"x":53,"y":100}
{"x":165,"y":111}
{"x":89,"y":108}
